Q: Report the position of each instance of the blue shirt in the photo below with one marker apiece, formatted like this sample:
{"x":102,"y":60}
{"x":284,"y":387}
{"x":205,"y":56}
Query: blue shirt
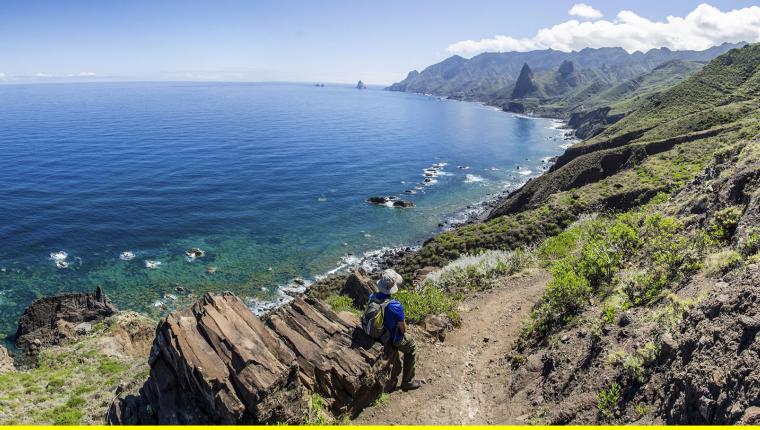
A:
{"x":394,"y":312}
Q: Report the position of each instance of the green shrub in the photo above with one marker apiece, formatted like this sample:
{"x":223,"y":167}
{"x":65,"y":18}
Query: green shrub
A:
{"x":480,"y":271}
{"x":565,"y":295}
{"x":636,"y":365}
{"x":66,"y":416}
{"x":602,"y":254}
{"x":559,"y":246}
{"x":718,"y":263}
{"x":608,"y":314}
{"x":568,"y":291}
{"x":110,"y":366}
{"x":724,"y":223}
{"x":427,"y":301}
{"x":383,"y":399}
{"x":750,"y":243}
{"x":317,"y":412}
{"x":641,"y":287}
{"x":607,"y":400}
{"x":668,"y":254}
{"x":668,"y":317}
{"x":342,"y":303}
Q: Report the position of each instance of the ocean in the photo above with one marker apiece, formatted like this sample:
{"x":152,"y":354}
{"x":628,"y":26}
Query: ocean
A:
{"x":100,"y":181}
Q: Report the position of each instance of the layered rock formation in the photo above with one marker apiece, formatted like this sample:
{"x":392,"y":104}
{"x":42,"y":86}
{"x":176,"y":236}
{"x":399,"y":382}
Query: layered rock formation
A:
{"x":217,"y":363}
{"x":53,"y":320}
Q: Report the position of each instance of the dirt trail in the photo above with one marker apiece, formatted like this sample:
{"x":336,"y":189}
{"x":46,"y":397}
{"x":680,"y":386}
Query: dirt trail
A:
{"x":467,"y":375}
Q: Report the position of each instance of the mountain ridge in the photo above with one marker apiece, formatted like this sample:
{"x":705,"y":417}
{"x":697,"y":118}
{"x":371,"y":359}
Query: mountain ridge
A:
{"x":561,"y":83}
{"x":510,"y":63}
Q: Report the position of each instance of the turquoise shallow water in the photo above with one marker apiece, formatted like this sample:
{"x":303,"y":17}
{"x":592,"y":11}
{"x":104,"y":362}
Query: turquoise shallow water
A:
{"x":270,"y":180}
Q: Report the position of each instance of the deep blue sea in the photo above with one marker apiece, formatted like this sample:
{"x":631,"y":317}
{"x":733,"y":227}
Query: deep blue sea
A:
{"x":270,"y":180}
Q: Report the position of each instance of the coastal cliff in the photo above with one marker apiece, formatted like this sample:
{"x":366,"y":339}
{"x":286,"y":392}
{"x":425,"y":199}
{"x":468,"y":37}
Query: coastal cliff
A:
{"x":635,"y":261}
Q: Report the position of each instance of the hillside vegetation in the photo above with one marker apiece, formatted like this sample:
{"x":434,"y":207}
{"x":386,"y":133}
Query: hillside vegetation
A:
{"x":650,"y":231}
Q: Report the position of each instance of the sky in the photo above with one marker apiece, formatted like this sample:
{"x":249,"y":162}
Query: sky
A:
{"x":331,"y":41}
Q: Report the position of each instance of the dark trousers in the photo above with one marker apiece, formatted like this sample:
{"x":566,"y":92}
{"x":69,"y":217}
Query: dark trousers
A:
{"x":409,"y":349}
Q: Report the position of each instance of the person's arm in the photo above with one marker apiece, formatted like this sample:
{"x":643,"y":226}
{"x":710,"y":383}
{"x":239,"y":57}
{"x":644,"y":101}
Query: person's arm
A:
{"x":402,"y":326}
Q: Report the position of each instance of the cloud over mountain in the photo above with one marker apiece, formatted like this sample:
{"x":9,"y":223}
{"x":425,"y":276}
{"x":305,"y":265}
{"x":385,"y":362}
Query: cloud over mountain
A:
{"x":702,"y":28}
{"x":584,"y":11}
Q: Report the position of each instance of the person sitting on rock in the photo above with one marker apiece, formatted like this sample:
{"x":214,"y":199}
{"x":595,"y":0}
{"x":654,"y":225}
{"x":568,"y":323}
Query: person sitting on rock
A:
{"x":394,"y":322}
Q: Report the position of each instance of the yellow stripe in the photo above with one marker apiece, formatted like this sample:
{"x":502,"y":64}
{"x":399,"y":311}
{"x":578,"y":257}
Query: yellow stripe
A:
{"x":506,"y":427}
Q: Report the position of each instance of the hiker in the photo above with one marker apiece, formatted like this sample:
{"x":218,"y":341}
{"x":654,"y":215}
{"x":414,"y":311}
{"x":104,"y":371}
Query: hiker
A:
{"x":382,"y":306}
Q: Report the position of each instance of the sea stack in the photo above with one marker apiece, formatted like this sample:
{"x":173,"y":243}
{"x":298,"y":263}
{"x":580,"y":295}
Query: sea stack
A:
{"x":360,"y":85}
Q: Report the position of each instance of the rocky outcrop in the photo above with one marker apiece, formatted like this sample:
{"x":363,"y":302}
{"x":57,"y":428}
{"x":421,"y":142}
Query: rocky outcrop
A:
{"x":514,"y":107}
{"x":358,"y":287}
{"x":6,"y":361}
{"x":217,"y":363}
{"x":566,"y":73}
{"x":360,"y":85}
{"x":589,"y":124}
{"x":712,"y":376}
{"x":524,"y":84}
{"x":56,"y":319}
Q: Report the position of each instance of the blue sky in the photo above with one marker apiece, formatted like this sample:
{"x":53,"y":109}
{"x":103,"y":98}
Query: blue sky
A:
{"x":328,"y":41}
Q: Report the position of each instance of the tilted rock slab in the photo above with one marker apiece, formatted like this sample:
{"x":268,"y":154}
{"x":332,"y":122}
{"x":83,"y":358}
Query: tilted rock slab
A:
{"x":217,"y":363}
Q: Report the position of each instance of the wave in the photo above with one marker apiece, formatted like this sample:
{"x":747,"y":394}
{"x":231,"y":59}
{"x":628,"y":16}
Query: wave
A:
{"x":369,"y":261}
{"x":127,"y":255}
{"x":469,"y":178}
{"x":59,"y":256}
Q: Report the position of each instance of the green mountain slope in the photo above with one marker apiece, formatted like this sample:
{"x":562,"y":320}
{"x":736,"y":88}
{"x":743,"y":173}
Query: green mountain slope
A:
{"x":557,"y":93}
{"x":597,"y":85}
{"x":486,"y":73}
{"x":650,"y":233}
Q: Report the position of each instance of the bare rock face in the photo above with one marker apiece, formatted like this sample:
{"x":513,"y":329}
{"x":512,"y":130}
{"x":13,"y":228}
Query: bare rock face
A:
{"x":421,"y":274}
{"x":217,"y":363}
{"x":53,"y":320}
{"x":6,"y":361}
{"x":358,"y":287}
{"x":712,"y":376}
{"x":436,"y":326}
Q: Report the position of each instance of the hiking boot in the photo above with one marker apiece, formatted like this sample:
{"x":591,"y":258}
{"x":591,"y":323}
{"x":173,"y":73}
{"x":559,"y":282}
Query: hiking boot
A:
{"x":411,"y":385}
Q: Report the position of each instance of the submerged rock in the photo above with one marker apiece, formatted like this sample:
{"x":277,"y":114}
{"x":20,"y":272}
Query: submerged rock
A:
{"x":194,"y":253}
{"x":127,"y":255}
{"x":392,"y":201}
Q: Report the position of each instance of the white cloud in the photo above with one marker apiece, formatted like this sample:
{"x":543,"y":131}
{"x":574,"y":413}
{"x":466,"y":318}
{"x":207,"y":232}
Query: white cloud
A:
{"x":42,"y":75}
{"x":2,"y":76}
{"x":86,"y":74}
{"x":584,"y":11}
{"x":702,"y":28}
